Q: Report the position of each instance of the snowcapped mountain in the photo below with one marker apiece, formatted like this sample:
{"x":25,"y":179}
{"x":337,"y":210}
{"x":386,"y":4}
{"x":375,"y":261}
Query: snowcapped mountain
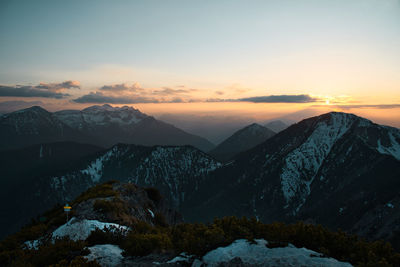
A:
{"x":102,"y":126}
{"x":176,"y":171}
{"x":111,"y":125}
{"x":333,"y":169}
{"x":94,"y":116}
{"x":32,"y":126}
{"x":242,"y":140}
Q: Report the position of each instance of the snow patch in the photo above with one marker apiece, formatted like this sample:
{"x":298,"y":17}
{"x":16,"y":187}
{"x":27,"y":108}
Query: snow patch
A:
{"x":81,"y":229}
{"x":389,"y":205}
{"x":100,"y":116}
{"x":32,"y":244}
{"x":394,"y":148}
{"x":151,"y":213}
{"x":260,"y":255}
{"x":105,"y":255}
{"x":183,"y":257}
{"x":302,"y":164}
{"x":95,"y":168}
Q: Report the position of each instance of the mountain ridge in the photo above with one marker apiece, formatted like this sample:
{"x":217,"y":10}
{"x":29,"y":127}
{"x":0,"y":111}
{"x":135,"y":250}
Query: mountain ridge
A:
{"x":242,"y":140}
{"x":176,"y":171}
{"x":282,"y":178}
{"x":99,"y":125}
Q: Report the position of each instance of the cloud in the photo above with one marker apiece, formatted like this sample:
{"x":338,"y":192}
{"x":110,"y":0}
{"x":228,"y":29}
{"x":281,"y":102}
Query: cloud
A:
{"x":48,"y":90}
{"x":122,"y":87}
{"x":57,"y":87}
{"x":177,"y":100}
{"x":29,"y":91}
{"x":170,"y":91}
{"x":100,"y":98}
{"x":219,"y":92}
{"x":280,"y":99}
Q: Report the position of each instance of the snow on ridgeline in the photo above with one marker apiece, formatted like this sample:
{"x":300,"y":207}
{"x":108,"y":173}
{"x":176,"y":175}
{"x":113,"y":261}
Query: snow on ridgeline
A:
{"x":95,"y":168}
{"x":172,"y":166}
{"x":302,"y":164}
{"x":100,"y":115}
{"x":259,"y":254}
{"x":187,"y":158}
{"x":306,"y":160}
{"x":393,"y":148}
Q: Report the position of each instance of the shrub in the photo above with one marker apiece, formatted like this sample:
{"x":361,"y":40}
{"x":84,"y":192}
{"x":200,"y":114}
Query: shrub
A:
{"x":98,"y":191}
{"x":159,"y":220}
{"x":108,"y":235}
{"x":154,"y":194}
{"x":144,"y":244}
{"x":114,"y":207}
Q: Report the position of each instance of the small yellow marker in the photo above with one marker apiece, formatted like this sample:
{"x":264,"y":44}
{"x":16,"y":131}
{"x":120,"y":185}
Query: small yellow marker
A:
{"x":67,"y":209}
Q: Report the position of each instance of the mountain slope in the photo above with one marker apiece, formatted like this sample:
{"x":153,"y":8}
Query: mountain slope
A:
{"x":276,"y":126}
{"x":35,"y":125}
{"x":22,"y":167}
{"x":175,"y":171}
{"x":240,"y":141}
{"x":112,"y":125}
{"x":312,"y":170}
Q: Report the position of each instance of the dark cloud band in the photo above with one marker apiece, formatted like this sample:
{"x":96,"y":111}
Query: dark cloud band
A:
{"x":99,"y":98}
{"x":29,"y":91}
{"x":121,"y":87}
{"x":280,"y":99}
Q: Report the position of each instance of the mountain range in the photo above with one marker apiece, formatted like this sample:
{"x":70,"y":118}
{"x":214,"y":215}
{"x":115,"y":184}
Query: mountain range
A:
{"x":336,"y":169}
{"x":98,"y":125}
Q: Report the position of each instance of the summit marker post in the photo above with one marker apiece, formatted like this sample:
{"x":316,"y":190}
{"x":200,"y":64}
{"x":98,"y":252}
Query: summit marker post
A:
{"x":67,"y":209}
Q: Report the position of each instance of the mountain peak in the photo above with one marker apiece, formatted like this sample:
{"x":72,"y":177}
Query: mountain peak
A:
{"x":35,"y":109}
{"x":255,"y":125}
{"x":338,"y":114}
{"x":98,"y":108}
{"x":276,"y":125}
{"x":109,"y":108}
{"x":242,"y":140}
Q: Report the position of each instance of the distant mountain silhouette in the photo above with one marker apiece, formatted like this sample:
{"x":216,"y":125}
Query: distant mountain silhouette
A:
{"x":276,"y":126}
{"x":240,"y":141}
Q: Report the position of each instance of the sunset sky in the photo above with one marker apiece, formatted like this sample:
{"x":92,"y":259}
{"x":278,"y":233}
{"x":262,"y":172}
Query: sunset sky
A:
{"x":258,"y":60}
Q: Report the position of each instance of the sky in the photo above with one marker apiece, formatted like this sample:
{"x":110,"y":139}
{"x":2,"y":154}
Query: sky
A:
{"x":257,"y":60}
